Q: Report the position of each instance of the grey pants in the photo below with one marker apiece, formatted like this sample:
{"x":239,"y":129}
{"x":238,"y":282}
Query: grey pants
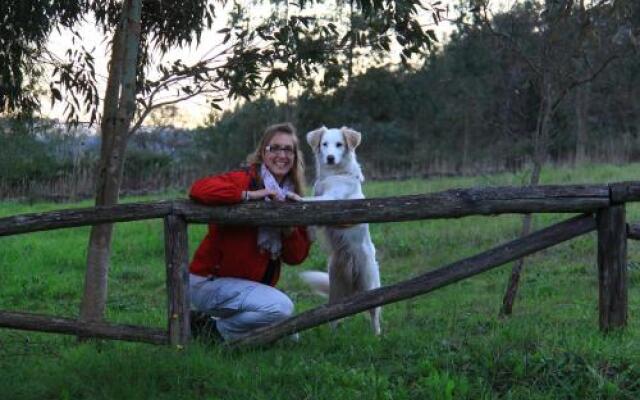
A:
{"x":238,"y":305}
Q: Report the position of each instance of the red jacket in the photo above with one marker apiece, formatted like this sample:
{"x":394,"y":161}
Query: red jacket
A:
{"x":232,"y":251}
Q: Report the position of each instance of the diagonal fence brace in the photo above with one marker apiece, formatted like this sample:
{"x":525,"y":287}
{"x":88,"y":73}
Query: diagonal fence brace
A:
{"x":424,"y":283}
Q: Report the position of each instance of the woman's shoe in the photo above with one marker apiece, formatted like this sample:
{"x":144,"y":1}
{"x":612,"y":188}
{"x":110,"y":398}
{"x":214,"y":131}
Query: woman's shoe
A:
{"x":203,"y":327}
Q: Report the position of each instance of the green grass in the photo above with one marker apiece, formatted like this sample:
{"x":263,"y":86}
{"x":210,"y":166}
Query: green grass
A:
{"x":449,"y":344}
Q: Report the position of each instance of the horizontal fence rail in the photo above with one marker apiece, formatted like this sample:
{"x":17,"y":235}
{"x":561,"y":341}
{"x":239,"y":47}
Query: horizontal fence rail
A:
{"x":425,"y":283}
{"x":71,"y":218}
{"x":46,"y":323}
{"x":447,"y":204}
{"x":622,"y":192}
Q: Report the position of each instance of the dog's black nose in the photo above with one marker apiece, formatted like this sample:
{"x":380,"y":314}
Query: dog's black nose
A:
{"x":331,"y":159}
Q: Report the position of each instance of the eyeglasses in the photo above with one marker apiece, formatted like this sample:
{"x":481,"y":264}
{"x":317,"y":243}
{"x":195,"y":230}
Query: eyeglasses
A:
{"x":275,"y":149}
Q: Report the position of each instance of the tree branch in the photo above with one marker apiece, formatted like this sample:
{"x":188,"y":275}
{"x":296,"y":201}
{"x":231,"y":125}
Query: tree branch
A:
{"x":580,"y":82}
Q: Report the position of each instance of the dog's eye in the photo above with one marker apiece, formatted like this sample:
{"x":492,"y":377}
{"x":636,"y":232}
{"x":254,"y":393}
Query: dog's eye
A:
{"x":338,"y":144}
{"x":325,"y":144}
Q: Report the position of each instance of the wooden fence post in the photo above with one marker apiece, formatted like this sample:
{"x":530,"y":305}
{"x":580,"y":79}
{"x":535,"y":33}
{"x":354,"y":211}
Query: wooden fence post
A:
{"x":177,"y":261}
{"x":612,"y":267}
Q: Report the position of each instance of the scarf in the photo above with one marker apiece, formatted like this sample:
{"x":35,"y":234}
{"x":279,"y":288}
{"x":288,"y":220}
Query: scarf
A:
{"x":270,"y":237}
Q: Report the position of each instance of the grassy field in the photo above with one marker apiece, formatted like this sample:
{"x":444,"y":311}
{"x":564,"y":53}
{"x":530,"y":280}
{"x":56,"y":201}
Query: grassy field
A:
{"x":449,"y":344}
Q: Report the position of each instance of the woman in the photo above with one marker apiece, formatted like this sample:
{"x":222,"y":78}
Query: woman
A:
{"x":235,"y":268}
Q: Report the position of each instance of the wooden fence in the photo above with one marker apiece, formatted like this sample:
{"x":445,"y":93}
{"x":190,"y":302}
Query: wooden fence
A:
{"x":605,"y":202}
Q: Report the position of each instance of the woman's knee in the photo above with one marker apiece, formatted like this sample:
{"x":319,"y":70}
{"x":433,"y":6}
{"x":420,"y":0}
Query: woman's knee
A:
{"x":272,"y":302}
{"x":283,"y":308}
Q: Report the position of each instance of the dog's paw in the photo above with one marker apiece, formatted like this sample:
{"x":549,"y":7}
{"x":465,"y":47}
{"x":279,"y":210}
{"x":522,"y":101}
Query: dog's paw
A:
{"x":294,"y":197}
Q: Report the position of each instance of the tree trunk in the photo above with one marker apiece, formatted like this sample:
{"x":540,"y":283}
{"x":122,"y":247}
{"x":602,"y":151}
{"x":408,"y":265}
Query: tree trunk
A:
{"x":288,"y":110}
{"x":119,"y":108}
{"x":541,"y":140}
{"x":352,"y":45}
{"x":465,"y":142}
{"x":582,"y":104}
{"x":582,"y":98}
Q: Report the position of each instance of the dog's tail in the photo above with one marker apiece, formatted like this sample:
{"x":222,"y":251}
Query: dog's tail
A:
{"x":318,"y":281}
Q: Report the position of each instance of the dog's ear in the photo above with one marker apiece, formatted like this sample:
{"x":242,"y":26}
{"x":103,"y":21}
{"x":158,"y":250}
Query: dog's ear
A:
{"x":353,"y":137}
{"x":313,"y":137}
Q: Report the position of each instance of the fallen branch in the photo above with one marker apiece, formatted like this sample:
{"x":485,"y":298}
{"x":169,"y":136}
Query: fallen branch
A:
{"x":45,"y":323}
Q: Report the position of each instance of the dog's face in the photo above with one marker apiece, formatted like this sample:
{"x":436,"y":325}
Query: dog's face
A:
{"x":331,"y":146}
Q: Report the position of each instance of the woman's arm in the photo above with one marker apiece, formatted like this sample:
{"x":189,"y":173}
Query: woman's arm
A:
{"x":226,"y":188}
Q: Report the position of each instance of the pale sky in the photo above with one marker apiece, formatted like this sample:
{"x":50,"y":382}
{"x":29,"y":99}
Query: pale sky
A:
{"x":193,"y":112}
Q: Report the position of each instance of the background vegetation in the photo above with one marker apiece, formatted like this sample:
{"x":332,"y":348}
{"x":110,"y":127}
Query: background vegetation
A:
{"x":449,"y":344}
{"x":469,"y":109}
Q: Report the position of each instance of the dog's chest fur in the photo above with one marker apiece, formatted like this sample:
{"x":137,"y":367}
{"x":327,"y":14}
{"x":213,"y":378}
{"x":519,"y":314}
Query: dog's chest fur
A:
{"x":340,"y":187}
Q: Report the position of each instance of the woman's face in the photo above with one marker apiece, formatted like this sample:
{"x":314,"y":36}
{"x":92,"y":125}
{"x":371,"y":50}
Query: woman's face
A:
{"x":279,"y":155}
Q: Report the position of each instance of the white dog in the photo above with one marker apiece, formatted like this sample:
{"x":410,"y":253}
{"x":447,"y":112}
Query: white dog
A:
{"x":352,"y":260}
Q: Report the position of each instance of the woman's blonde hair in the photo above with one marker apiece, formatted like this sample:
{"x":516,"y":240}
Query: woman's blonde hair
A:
{"x":297,"y":171}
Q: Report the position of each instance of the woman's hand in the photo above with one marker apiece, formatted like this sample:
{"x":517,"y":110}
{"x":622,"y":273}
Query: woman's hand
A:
{"x":259,"y":194}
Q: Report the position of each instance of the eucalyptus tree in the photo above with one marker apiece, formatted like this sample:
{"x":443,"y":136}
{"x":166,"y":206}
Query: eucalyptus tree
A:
{"x":249,"y":60}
